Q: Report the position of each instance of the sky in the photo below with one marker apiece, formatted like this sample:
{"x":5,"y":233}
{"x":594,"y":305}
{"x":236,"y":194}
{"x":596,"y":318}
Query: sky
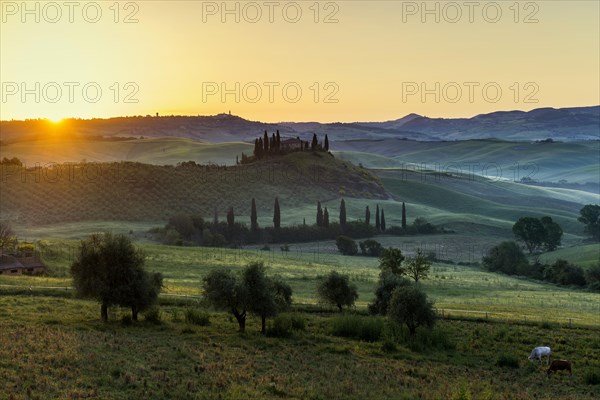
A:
{"x":276,"y":61}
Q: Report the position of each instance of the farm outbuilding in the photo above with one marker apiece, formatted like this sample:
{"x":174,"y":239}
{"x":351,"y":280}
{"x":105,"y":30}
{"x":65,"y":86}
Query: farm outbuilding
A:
{"x":11,"y":265}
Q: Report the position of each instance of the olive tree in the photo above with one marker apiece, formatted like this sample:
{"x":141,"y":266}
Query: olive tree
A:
{"x":409,"y":306}
{"x":109,"y":269}
{"x":337,"y":290}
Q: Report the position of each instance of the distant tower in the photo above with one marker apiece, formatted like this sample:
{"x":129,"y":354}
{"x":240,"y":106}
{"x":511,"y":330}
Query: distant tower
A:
{"x":157,"y":114}
{"x":229,"y":112}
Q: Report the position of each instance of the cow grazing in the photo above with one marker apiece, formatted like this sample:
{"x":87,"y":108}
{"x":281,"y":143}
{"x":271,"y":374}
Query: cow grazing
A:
{"x":540,"y":352}
{"x":559,"y":365}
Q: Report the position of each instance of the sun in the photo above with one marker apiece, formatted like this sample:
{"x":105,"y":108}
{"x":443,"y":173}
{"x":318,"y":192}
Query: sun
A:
{"x":55,"y":120}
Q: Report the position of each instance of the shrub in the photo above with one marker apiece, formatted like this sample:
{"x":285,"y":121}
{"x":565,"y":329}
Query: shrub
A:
{"x":383,"y":293}
{"x":592,"y":377}
{"x":371,"y":248}
{"x":298,"y":322}
{"x":409,"y":306}
{"x":153,"y":315}
{"x":280,"y":327}
{"x":196,"y":317}
{"x":368,"y":329}
{"x":346,"y":246}
{"x":126,"y":320}
{"x":507,"y":361}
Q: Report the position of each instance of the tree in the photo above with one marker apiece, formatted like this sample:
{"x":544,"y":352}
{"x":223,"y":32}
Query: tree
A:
{"x":215,"y":217}
{"x":252,"y":291}
{"x":253,"y":217}
{"x":563,"y":272}
{"x":552,"y":233}
{"x":377,"y":221}
{"x":223,"y":291}
{"x":266,"y":296}
{"x":371,"y":248}
{"x":276,"y":215}
{"x":403,"y":216}
{"x":337,"y":290}
{"x":326,"y":143}
{"x":346,"y":246}
{"x":409,"y":306}
{"x":530,"y":231}
{"x":592,"y":278}
{"x":391,"y":260}
{"x":418,"y":266}
{"x":506,"y":257}
{"x":319,"y":214}
{"x":386,"y":285}
{"x":342,"y":213}
{"x":278,"y":141}
{"x":367,"y":216}
{"x":266,"y":143}
{"x":230,"y":218}
{"x":326,"y":219}
{"x":382,"y":223}
{"x":314,"y":143}
{"x":111,"y":270}
{"x":8,"y":239}
{"x":590,"y":217}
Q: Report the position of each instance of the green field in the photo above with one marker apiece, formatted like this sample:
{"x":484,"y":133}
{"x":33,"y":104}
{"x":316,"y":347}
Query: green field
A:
{"x":585,"y":255}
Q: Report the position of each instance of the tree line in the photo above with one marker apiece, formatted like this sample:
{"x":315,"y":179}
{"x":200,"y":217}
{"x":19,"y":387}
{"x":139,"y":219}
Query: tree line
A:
{"x":268,"y":146}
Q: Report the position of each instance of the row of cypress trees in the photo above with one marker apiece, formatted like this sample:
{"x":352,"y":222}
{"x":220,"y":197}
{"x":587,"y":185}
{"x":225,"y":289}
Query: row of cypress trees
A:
{"x":380,"y":225}
{"x":266,"y":145}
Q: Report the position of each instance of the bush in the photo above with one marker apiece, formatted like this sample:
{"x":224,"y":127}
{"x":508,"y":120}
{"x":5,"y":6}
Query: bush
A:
{"x":153,"y":315}
{"x":409,"y":306}
{"x":346,"y":245}
{"x":508,"y":361}
{"x":368,"y":329}
{"x":298,"y":322}
{"x":592,"y":377}
{"x":371,"y":248}
{"x":383,"y":293}
{"x":196,"y":317}
{"x":280,"y":327}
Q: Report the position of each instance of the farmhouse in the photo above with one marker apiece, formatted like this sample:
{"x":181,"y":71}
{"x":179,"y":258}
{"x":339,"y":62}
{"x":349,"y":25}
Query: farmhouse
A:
{"x":293,"y":144}
{"x":29,"y":265}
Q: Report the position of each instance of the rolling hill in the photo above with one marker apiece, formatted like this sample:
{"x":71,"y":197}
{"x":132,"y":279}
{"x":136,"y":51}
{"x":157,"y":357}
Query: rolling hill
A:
{"x":567,"y":124}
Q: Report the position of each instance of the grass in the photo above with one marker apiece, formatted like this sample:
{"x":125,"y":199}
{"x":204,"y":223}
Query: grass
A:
{"x":57,"y":348}
{"x":584,"y":255}
{"x":458,"y":290}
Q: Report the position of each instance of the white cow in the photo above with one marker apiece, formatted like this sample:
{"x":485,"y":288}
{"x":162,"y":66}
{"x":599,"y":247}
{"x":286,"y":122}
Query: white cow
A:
{"x":540,"y":352}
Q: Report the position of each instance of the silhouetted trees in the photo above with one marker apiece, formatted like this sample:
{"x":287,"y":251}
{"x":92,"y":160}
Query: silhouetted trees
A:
{"x":230,"y":218}
{"x":319,"y":215}
{"x":403,"y":216}
{"x":315,"y":143}
{"x":590,"y":217}
{"x":382,"y":223}
{"x":326,"y":145}
{"x":342,"y":213}
{"x":272,"y":145}
{"x":253,"y":217}
{"x":377,"y":220}
{"x":326,"y":219}
{"x":276,"y":215}
{"x":367,"y":216}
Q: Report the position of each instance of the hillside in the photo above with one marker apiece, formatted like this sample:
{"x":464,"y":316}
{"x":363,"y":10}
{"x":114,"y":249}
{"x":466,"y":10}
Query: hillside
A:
{"x":567,"y":124}
{"x":127,"y":191}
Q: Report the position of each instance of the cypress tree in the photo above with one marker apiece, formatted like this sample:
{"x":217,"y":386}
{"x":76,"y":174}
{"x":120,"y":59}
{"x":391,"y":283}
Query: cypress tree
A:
{"x":342,"y":213}
{"x":377,"y":223}
{"x":367,"y":216}
{"x":278,"y":140}
{"x":304,"y":221}
{"x":403,"y":216}
{"x":230,"y":218}
{"x":253,"y":217}
{"x":277,"y":215}
{"x":319,"y":214}
{"x":326,"y":218}
{"x":273,"y":143}
{"x":382,"y":220}
{"x":215,"y":217}
{"x":260,"y":148}
{"x":256,"y":150}
{"x":266,"y":142}
{"x":326,"y":143}
{"x":315,"y":142}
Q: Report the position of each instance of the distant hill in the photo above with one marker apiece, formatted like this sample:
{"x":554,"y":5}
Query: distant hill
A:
{"x":567,"y":124}
{"x":127,"y":191}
